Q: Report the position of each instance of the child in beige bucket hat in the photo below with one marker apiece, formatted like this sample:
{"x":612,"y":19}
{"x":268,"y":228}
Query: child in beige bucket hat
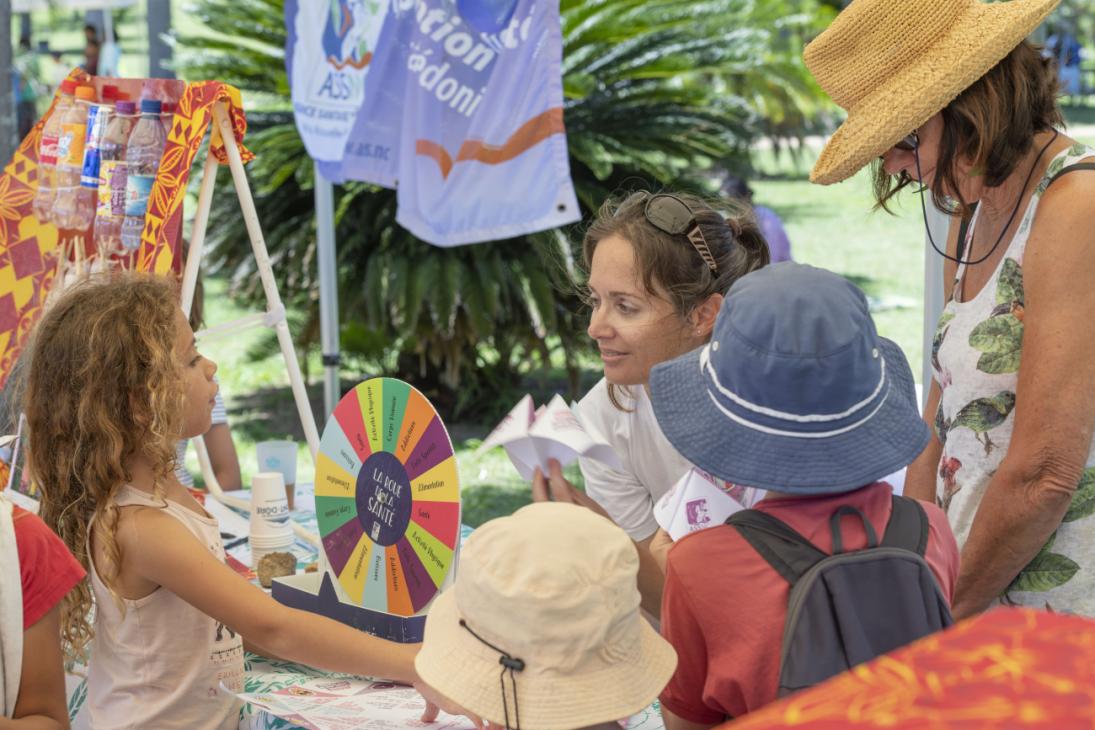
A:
{"x":542,"y":630}
{"x":893,"y":64}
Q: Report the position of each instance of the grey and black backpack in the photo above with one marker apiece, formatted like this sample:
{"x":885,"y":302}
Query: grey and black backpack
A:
{"x":849,"y":607}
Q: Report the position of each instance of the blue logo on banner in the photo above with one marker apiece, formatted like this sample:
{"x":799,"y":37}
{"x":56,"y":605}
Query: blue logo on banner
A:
{"x":344,"y":36}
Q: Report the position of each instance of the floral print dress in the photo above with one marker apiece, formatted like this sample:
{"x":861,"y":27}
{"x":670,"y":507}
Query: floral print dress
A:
{"x":976,"y":352}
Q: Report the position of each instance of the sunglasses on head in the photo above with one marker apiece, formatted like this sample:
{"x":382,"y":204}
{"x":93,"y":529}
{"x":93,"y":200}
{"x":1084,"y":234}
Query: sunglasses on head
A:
{"x":909,"y":143}
{"x":669,"y":214}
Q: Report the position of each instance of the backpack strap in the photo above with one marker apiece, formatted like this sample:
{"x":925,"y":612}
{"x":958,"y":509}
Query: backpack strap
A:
{"x":1071,"y":168}
{"x":908,"y":526}
{"x":789,"y":553}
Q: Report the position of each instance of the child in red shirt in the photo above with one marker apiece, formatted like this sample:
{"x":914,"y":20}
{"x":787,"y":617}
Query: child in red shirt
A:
{"x":47,"y":572}
{"x":797,"y":394}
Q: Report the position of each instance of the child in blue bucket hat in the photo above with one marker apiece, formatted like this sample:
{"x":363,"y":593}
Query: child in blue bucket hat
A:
{"x":797,"y":394}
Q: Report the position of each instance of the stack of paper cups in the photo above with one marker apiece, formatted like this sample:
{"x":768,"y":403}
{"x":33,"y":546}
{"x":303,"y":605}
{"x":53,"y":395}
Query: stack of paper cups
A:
{"x":271,"y":530}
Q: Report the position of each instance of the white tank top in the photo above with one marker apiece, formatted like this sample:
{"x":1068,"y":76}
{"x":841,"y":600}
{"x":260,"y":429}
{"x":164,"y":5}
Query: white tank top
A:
{"x":161,"y":664}
{"x":975,"y":357}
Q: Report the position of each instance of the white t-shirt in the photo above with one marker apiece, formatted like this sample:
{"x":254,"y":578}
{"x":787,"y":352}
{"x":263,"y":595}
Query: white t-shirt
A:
{"x":651,"y":465}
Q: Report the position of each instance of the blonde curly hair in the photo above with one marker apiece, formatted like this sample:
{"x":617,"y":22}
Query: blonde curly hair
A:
{"x":104,"y":385}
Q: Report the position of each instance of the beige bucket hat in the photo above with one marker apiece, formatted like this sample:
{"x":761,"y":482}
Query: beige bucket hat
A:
{"x":893,"y":64}
{"x":550,"y":591}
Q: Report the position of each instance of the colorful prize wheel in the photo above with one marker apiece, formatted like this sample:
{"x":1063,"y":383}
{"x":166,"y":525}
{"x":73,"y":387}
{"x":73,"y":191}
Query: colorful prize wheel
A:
{"x":387,"y":497}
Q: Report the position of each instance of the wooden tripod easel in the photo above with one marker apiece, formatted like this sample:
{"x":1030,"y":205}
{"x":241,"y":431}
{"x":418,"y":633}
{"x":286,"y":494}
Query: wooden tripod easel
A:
{"x":274,"y":316}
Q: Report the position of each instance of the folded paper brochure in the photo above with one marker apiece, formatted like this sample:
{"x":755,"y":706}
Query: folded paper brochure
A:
{"x":531,"y":436}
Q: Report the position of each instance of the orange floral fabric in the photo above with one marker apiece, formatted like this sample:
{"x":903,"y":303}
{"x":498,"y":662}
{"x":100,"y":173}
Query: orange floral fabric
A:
{"x":1011,"y":667}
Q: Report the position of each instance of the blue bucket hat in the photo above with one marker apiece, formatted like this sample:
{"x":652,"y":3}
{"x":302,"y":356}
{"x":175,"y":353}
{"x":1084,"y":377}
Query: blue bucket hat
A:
{"x":795,"y":392}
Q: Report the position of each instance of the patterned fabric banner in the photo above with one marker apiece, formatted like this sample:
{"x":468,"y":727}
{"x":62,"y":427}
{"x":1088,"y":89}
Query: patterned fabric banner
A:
{"x":1007,"y":668}
{"x":163,"y":220}
{"x":457,"y":105}
{"x":31,"y":250}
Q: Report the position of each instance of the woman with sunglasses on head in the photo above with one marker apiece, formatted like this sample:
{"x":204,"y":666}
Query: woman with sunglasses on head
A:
{"x":1013,"y":402}
{"x":658,"y":267}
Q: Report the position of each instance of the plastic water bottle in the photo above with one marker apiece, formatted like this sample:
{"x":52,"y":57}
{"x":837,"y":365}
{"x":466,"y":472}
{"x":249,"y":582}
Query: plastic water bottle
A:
{"x":110,"y":210}
{"x":142,"y":158}
{"x":47,"y":153}
{"x":70,"y":159}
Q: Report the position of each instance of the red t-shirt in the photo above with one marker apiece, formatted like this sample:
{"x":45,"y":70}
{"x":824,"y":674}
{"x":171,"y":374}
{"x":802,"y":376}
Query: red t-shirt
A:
{"x":46,"y":567}
{"x":724,"y":607}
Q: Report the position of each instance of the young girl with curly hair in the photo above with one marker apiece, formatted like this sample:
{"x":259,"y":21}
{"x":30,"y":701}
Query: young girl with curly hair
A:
{"x":115,"y":381}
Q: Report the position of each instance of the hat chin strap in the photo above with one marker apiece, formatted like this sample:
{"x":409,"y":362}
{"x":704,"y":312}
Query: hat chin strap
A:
{"x":513,"y":664}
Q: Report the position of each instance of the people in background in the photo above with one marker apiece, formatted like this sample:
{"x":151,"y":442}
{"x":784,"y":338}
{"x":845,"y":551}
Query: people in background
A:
{"x":91,"y":57}
{"x":1066,"y":50}
{"x":27,"y":79}
{"x":771,"y":227}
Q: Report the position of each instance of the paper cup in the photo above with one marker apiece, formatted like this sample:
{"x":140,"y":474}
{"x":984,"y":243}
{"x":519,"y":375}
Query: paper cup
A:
{"x":279,"y":456}
{"x":269,"y":509}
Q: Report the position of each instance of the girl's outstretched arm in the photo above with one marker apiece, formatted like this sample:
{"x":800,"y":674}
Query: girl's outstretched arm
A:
{"x":158,"y":548}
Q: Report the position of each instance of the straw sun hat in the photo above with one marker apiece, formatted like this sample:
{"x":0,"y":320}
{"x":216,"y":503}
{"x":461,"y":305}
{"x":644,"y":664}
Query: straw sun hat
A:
{"x":550,"y":589}
{"x":893,"y":64}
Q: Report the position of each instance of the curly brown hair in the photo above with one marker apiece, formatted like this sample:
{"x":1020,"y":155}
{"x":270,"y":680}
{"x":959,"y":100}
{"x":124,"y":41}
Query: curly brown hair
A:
{"x":991,"y":125}
{"x":670,"y":262}
{"x":103,"y":385}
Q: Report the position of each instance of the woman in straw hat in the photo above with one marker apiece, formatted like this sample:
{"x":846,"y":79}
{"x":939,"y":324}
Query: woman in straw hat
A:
{"x":949,"y":95}
{"x":532,"y":642}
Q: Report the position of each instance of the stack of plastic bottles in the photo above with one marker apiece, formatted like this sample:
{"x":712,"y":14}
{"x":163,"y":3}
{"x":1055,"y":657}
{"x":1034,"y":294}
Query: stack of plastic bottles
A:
{"x":97,"y":163}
